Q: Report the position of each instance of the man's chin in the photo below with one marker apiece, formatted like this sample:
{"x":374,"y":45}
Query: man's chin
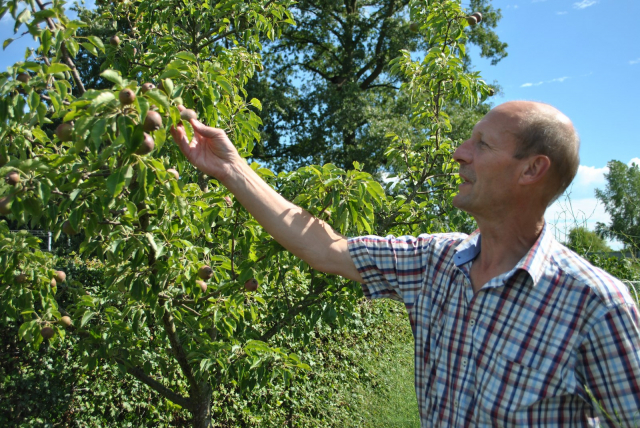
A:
{"x":460,"y":202}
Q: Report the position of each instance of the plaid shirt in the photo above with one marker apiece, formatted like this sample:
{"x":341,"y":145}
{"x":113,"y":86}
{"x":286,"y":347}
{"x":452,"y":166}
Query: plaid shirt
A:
{"x":521,"y":351}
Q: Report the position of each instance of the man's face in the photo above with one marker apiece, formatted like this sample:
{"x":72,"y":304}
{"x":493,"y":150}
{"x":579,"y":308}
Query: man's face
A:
{"x":488,"y":168}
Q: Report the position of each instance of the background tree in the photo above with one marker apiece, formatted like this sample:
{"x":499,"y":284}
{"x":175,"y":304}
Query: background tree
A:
{"x":327,"y":91}
{"x":178,"y":308}
{"x":584,"y":241}
{"x":621,"y":200}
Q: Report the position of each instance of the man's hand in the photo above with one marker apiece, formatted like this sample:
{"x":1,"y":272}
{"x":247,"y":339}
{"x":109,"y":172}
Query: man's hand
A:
{"x":210,"y":151}
{"x":305,"y":236}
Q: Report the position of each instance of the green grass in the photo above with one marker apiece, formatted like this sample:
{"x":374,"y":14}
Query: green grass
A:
{"x":391,"y":401}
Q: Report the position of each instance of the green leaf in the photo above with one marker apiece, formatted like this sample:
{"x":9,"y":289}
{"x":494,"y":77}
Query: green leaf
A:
{"x":256,"y":103}
{"x":187,"y":56}
{"x":113,"y":76}
{"x":24,"y":17}
{"x":72,"y":47}
{"x":89,"y":47}
{"x":224,"y":83}
{"x":40,"y":135}
{"x":25,"y":327}
{"x":172,"y":72}
{"x":34,"y":100}
{"x":46,"y":40}
{"x":97,"y":42}
{"x":56,"y":67}
{"x":116,"y":181}
{"x":104,"y":98}
{"x":7,"y":43}
{"x":44,"y":14}
{"x":97,"y":132}
{"x":159,"y":98}
{"x":44,"y":192}
{"x":86,"y":318}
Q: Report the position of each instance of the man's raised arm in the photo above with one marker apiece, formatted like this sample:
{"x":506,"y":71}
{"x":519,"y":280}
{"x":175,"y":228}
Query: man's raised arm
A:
{"x":304,"y":235}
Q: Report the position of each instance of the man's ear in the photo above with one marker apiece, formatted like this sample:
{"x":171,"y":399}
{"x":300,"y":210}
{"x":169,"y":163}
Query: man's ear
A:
{"x":536,"y":168}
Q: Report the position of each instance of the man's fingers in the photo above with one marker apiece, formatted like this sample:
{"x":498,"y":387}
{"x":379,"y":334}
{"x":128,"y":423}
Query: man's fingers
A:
{"x":204,"y":130}
{"x":180,"y":137}
{"x":199,"y":127}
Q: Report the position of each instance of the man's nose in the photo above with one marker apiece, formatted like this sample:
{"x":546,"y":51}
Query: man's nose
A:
{"x":462,"y":154}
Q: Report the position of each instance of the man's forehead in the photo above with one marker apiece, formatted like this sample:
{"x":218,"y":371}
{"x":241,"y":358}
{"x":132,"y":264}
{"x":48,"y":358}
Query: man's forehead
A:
{"x":492,"y":123}
{"x":516,"y":111}
{"x":507,"y":117}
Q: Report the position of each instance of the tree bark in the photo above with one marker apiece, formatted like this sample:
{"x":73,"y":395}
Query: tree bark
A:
{"x":202,"y":407}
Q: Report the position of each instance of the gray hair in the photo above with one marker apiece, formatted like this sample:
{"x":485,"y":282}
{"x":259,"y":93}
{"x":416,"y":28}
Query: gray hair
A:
{"x":545,"y":134}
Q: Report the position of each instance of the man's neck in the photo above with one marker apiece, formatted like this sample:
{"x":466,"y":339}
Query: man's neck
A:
{"x":504,"y":244}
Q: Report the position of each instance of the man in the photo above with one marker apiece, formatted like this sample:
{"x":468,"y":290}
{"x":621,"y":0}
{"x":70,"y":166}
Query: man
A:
{"x":510,"y":327}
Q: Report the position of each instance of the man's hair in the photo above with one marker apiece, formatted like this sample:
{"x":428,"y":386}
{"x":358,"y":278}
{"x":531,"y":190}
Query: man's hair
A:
{"x":545,"y":134}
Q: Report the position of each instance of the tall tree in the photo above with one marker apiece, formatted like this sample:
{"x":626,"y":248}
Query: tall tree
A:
{"x":621,"y":200}
{"x":584,"y":241}
{"x":328,"y":92}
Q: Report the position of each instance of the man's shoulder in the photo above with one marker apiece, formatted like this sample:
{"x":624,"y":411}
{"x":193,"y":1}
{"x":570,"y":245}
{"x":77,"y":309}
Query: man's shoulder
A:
{"x":433,"y":241}
{"x":423,"y":249}
{"x":580,"y":273}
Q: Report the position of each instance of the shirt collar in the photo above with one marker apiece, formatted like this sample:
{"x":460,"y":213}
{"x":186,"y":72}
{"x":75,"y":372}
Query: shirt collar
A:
{"x":533,"y":262}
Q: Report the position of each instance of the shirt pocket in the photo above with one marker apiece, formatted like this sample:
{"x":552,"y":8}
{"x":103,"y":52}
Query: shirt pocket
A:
{"x":508,"y":391}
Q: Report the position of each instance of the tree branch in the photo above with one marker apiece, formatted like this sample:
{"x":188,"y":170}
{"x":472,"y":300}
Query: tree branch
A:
{"x":65,"y":54}
{"x":139,"y":374}
{"x":180,"y":354}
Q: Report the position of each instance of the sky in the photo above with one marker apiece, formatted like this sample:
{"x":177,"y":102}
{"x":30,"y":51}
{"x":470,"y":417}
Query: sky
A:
{"x":581,"y":56}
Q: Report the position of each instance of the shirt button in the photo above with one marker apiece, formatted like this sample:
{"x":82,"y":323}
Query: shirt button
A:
{"x":464,"y":362}
{"x":472,"y":322}
{"x":455,"y":403}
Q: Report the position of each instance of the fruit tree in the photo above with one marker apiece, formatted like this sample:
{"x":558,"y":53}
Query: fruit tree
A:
{"x":189,"y":274}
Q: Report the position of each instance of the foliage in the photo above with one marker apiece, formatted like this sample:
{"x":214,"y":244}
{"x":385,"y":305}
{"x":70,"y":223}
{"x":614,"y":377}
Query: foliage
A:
{"x":623,"y":268}
{"x":583,"y":241}
{"x":52,"y":385}
{"x":151,"y":231}
{"x":328,"y":91}
{"x":621,"y":200}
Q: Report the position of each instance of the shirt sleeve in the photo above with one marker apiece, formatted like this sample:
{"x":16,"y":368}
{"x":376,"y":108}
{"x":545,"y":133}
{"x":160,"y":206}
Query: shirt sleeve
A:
{"x":611,"y":353}
{"x":391,"y":267}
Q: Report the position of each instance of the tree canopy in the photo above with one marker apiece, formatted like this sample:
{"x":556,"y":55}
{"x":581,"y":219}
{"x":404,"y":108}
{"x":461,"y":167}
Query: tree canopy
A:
{"x":584,"y":241}
{"x":195,"y":296}
{"x":328,"y":91}
{"x":621,"y":200}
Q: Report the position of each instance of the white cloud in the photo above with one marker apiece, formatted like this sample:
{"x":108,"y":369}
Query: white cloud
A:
{"x":634,"y":160}
{"x":635,"y":61}
{"x":590,"y":176}
{"x":526,"y":85}
{"x":561,"y":13}
{"x":556,"y":80}
{"x":584,"y":4}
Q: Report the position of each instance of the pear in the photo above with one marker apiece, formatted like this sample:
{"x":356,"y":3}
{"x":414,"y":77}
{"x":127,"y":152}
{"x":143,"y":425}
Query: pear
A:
{"x":205,"y":272}
{"x":251,"y":284}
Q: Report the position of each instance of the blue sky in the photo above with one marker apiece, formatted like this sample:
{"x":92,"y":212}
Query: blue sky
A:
{"x":582,"y":56}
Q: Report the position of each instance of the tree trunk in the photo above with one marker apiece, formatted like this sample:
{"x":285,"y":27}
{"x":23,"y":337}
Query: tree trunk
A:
{"x":202,"y":407}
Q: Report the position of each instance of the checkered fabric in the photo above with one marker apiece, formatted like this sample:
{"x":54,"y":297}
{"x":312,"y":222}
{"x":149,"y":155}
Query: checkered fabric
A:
{"x":521,"y":352}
